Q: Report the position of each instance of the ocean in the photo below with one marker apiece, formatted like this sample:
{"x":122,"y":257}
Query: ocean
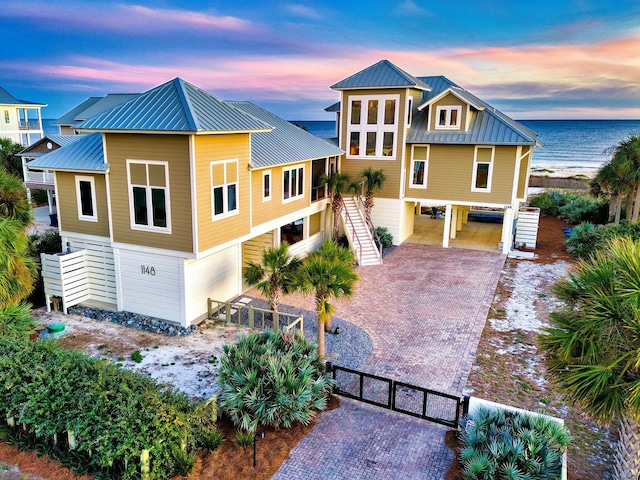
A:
{"x":576,"y":145}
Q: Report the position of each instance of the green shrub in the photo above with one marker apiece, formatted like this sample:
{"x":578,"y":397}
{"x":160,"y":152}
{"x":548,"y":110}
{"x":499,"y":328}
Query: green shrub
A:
{"x":48,"y":242}
{"x":17,"y":320}
{"x":585,"y":209}
{"x":244,"y":439}
{"x":114,"y":413}
{"x":271,"y":378}
{"x":548,"y":201}
{"x":502,"y":445}
{"x":136,"y":356}
{"x":587,"y":238}
{"x":385,"y":237}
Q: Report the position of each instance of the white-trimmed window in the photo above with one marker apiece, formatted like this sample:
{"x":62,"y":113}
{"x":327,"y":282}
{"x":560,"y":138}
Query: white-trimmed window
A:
{"x":372,"y":126}
{"x":292,"y":183}
{"x":266,"y":185}
{"x":148,"y":182}
{"x":86,"y":198}
{"x":224,"y":188}
{"x":409,"y":111}
{"x":482,"y":169}
{"x":419,"y":166}
{"x":448,"y":118}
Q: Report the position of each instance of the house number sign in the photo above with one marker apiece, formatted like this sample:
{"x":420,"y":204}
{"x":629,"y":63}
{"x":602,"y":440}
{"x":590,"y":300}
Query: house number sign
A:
{"x":147,"y":270}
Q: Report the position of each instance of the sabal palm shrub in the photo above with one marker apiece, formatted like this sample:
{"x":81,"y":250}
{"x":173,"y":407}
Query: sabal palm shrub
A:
{"x":502,"y":445}
{"x":272,"y":378}
{"x":587,"y":238}
{"x":16,"y":319}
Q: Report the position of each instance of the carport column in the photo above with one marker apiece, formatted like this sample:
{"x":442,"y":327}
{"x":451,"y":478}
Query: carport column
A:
{"x":447,"y":226}
{"x":455,"y":212}
{"x":460,"y":218}
{"x":507,"y":230}
{"x":465,"y":217}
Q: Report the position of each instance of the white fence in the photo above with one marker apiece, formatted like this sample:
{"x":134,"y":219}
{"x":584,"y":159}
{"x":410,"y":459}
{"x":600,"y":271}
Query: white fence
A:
{"x":66,"y":275}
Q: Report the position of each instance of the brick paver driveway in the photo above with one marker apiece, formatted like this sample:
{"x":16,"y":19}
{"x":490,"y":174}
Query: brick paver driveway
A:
{"x":424,"y":309}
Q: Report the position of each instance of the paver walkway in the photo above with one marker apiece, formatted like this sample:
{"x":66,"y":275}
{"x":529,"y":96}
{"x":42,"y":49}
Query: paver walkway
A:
{"x":424,"y":309}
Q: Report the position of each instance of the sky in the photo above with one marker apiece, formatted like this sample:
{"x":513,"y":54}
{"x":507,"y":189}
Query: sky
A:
{"x":538,"y":59}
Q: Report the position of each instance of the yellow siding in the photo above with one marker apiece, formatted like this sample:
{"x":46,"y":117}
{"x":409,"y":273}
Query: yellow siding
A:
{"x":171,"y":148}
{"x":276,"y":207}
{"x":208,"y":149}
{"x":450,"y":171}
{"x":392,"y":168}
{"x":524,"y":169}
{"x":448,"y":100}
{"x":68,"y":205}
{"x":315,"y":223}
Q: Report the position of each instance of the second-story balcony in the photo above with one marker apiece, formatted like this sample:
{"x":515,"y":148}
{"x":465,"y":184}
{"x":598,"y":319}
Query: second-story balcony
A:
{"x":29,"y":125}
{"x":39,"y":179}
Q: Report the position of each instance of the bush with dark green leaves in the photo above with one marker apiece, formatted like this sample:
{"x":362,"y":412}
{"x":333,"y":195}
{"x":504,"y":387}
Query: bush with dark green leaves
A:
{"x":385,"y":237}
{"x":572,"y":206}
{"x":503,"y":445}
{"x":587,"y":238}
{"x":113,"y":413}
{"x":549,"y":201}
{"x":272,"y":378}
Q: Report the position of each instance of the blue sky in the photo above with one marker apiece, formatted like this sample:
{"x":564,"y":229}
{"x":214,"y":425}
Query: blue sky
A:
{"x":542,"y":59}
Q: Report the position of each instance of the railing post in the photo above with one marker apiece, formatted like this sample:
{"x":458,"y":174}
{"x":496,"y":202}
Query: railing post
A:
{"x":228,"y":312}
{"x":71,"y":439}
{"x":251,"y":317}
{"x":209,"y":309}
{"x":276,"y":320}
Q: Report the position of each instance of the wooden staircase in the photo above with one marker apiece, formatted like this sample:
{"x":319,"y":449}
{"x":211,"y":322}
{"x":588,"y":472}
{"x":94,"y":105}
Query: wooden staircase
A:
{"x":359,"y":234}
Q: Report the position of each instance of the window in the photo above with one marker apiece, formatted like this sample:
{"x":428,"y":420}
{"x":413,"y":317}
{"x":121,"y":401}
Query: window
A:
{"x":6,"y":116}
{"x":224,"y":188}
{"x":292,"y":183}
{"x":86,"y":198}
{"x":372,"y":132}
{"x":448,"y":118}
{"x":292,"y":232}
{"x":266,"y":186}
{"x":149,"y":195}
{"x":409,"y":111}
{"x":482,"y":169}
{"x":419,"y":164}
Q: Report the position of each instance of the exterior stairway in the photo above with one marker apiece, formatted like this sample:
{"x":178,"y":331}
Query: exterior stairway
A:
{"x":360,"y":237}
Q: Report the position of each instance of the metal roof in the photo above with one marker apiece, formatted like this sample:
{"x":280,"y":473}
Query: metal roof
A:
{"x":488,"y":125}
{"x":84,"y":154}
{"x":333,"y":108}
{"x":286,"y":143}
{"x":69,"y":117}
{"x":175,"y":106}
{"x":59,"y":140}
{"x":382,"y":74}
{"x":102,"y":105}
{"x":7,"y":99}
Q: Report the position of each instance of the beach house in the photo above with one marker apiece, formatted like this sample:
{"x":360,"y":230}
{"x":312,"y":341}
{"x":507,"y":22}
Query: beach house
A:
{"x":439,"y":146}
{"x":163,"y":197}
{"x":21,"y":119}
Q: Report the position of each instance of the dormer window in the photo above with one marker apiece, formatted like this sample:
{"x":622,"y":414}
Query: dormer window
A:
{"x":448,"y":118}
{"x":372,"y":126}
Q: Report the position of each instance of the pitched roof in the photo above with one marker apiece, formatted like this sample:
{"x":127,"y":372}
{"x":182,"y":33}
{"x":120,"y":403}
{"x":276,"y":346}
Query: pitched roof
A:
{"x":84,"y":154}
{"x":175,"y":106}
{"x":7,"y":99}
{"x":382,"y":74}
{"x":488,"y":125}
{"x":58,"y":140}
{"x":68,"y":118}
{"x":286,"y":143}
{"x":103,"y":104}
{"x":333,"y":108}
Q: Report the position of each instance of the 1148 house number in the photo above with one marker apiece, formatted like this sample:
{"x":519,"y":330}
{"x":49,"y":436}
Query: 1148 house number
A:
{"x":147,"y":270}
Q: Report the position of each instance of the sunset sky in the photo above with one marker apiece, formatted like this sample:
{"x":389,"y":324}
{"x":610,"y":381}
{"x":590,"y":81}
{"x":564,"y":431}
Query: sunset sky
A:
{"x":533,"y":60}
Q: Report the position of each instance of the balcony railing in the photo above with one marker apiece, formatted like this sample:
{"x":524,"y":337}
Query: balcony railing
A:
{"x":29,"y":125}
{"x":45,"y":178}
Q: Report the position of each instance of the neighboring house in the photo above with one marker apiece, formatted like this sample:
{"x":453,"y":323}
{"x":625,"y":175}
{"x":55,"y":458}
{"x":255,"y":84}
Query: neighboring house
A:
{"x":164,"y":197}
{"x":438,"y":145}
{"x":21,"y":119}
{"x":91,"y":106}
{"x":43,"y":180}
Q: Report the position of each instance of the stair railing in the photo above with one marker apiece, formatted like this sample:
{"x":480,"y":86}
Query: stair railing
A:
{"x":346,"y":219}
{"x":369,"y":223}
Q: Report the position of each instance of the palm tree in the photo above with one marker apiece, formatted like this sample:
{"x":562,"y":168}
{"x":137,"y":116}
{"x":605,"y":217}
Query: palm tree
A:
{"x":373,"y":182}
{"x":275,"y":274}
{"x":9,"y":159}
{"x":608,"y":181}
{"x":593,"y":344}
{"x":328,"y":275}
{"x":17,"y":268}
{"x":14,"y":203}
{"x":338,"y":183}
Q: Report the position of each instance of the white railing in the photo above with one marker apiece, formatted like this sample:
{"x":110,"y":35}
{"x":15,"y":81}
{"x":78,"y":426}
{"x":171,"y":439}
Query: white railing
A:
{"x":40,"y":177}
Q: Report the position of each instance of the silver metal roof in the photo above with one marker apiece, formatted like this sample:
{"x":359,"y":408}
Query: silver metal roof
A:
{"x":333,"y":108}
{"x":286,"y":143}
{"x":7,"y":99}
{"x":103,"y":104}
{"x":382,"y":74}
{"x":488,"y":126}
{"x":175,"y":106}
{"x":84,"y":154}
{"x":59,"y":140}
{"x":69,"y":117}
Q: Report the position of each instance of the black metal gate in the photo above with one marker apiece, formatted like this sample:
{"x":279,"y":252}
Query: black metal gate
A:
{"x":401,"y":397}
